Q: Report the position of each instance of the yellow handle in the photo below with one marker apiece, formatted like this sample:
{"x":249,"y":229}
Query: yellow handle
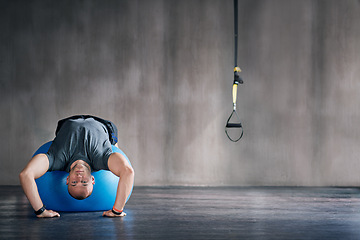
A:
{"x":237,"y":69}
{"x":234,"y":92}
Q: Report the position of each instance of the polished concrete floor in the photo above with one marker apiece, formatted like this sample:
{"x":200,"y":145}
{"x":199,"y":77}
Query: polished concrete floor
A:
{"x":198,"y":213}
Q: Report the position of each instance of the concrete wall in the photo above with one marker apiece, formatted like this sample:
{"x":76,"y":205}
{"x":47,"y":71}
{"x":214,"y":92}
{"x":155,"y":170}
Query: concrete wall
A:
{"x":162,"y":71}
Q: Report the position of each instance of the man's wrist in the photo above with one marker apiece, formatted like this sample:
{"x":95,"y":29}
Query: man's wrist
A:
{"x":116,"y":211}
{"x":40,"y":211}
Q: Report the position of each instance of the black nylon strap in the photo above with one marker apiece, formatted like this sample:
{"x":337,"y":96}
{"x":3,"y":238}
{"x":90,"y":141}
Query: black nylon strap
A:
{"x":236,"y":30}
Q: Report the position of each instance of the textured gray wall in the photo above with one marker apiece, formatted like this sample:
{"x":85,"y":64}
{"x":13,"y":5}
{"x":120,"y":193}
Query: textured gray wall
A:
{"x":162,"y":71}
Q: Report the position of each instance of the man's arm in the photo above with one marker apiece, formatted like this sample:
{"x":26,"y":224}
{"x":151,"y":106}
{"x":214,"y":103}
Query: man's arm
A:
{"x":120,"y":166}
{"x":36,"y":167}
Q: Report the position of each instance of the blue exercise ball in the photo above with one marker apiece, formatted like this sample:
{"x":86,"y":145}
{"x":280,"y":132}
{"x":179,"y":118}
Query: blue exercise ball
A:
{"x":55,"y":196}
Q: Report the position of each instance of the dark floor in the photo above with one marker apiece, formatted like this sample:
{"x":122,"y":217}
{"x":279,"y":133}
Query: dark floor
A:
{"x":198,"y":213}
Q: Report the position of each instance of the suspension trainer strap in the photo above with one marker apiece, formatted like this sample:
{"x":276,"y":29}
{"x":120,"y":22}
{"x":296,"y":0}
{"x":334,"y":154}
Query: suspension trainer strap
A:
{"x":237,"y":81}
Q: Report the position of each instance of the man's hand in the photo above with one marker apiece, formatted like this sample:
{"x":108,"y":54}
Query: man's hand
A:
{"x":111,"y":214}
{"x":48,"y":214}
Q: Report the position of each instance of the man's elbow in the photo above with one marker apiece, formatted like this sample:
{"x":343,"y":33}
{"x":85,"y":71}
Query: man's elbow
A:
{"x":130,"y":171}
{"x":126,"y":173}
{"x":25,"y":175}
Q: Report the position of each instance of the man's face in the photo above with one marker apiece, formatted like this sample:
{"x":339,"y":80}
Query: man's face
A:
{"x":80,"y":182}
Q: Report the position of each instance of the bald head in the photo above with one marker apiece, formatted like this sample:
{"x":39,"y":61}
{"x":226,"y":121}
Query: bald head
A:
{"x":80,"y":181}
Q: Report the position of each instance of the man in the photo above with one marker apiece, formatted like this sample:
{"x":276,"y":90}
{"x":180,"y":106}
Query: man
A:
{"x":82,"y":144}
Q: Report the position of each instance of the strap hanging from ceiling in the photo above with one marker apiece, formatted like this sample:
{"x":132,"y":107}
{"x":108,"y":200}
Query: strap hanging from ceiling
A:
{"x":234,"y":119}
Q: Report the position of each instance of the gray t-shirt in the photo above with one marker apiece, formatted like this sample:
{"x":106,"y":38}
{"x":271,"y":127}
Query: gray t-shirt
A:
{"x":80,"y":139}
